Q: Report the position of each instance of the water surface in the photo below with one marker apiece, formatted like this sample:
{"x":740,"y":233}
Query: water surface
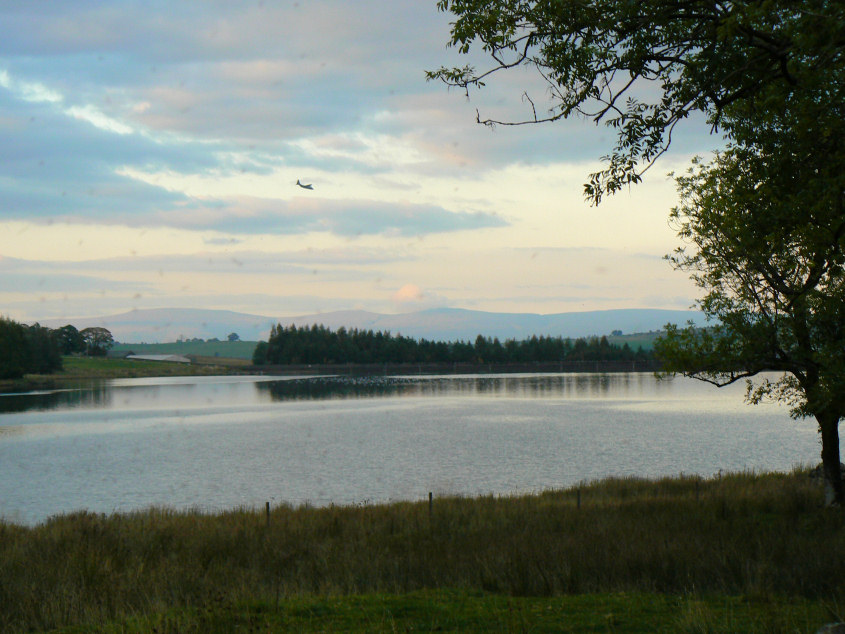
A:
{"x":223,"y":442}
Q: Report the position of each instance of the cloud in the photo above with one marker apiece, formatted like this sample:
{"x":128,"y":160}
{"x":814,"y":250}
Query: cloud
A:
{"x":95,"y":93}
{"x":171,"y":134}
{"x":349,"y":218}
{"x":57,"y":163}
{"x":52,"y":282}
{"x":409,"y":293}
{"x":410,"y":297}
{"x":97,"y":274}
{"x":225,"y":65}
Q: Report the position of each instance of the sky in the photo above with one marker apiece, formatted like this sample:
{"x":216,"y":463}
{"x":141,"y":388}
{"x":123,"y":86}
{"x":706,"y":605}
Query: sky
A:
{"x":149,"y":155}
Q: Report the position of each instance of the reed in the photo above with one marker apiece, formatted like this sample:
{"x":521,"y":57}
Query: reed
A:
{"x":753,"y":535}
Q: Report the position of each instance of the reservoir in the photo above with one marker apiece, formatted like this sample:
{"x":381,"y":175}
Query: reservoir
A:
{"x":216,"y":443}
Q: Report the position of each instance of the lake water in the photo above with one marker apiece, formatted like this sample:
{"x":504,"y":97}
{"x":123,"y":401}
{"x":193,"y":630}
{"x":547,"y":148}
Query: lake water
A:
{"x":222,"y":442}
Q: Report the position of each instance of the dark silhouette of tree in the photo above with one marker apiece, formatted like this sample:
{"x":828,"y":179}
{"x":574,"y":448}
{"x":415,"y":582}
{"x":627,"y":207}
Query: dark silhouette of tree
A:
{"x":14,"y":355}
{"x":317,"y":344}
{"x":259,"y":355}
{"x":43,"y":350}
{"x":70,"y":340}
{"x":27,"y":350}
{"x":98,"y":341}
{"x":766,"y":223}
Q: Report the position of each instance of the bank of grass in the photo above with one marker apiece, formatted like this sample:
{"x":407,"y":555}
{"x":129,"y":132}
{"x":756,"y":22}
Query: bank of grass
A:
{"x":78,"y":368}
{"x":745,"y":552}
{"x":105,"y":368}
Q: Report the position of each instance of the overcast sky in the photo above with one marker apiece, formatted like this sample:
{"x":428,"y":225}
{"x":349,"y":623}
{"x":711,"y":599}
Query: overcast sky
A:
{"x":150,"y":153}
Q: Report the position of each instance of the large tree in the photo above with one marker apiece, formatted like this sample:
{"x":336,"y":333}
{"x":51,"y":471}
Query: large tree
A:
{"x":27,"y":349}
{"x":69,"y":339}
{"x":764,"y":221}
{"x":641,"y":67}
{"x":764,"y":227}
{"x":43,"y":350}
{"x":97,"y":340}
{"x":14,"y":349}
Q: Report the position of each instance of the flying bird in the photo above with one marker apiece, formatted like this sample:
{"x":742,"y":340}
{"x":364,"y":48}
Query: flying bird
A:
{"x":309,"y":186}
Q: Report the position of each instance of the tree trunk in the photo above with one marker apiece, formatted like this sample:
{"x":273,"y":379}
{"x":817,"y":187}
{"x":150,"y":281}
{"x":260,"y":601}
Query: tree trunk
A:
{"x":829,"y":427}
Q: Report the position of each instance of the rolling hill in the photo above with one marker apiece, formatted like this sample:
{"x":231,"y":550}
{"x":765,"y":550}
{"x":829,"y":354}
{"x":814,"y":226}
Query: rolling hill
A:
{"x":442,"y":324}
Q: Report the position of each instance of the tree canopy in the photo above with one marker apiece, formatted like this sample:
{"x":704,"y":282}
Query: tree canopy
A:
{"x":642,"y":67}
{"x":318,"y":344}
{"x":37,"y":349}
{"x":97,"y":340}
{"x":70,"y":340}
{"x":764,"y":224}
{"x":27,"y":349}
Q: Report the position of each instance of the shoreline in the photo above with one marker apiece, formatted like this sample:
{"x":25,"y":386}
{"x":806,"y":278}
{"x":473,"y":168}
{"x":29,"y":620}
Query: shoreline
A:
{"x":78,"y":369}
{"x":411,"y":368}
{"x":85,"y":369}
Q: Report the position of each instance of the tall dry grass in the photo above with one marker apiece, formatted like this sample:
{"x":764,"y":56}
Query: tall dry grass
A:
{"x":748,"y":534}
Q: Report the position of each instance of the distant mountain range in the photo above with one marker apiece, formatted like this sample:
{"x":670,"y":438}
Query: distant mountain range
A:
{"x":439,"y":324}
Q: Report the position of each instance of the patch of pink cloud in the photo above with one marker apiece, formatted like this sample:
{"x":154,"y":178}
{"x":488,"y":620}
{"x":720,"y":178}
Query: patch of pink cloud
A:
{"x":408,"y":293}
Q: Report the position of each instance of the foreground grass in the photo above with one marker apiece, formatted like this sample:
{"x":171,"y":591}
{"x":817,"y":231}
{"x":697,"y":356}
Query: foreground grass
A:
{"x":468,"y":611}
{"x":746,"y":552}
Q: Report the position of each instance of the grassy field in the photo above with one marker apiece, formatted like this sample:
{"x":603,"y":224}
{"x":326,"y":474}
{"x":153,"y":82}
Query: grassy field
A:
{"x":740,"y":553}
{"x":644,"y":340}
{"x":244,"y":349}
{"x":222,"y":349}
{"x":98,"y":367}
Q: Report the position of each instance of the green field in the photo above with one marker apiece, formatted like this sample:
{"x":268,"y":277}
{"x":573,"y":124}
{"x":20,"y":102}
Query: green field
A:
{"x":105,"y":368}
{"x":224,"y":349}
{"x":644,"y":340}
{"x":739,"y":553}
{"x":244,"y":349}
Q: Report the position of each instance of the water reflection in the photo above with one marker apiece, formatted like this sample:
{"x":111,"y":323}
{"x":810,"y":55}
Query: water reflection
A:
{"x":202,"y":392}
{"x":90,"y":395}
{"x":515,"y":386}
{"x":143,"y":394}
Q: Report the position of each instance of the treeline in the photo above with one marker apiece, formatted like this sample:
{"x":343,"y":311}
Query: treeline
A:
{"x":38,"y":350}
{"x":27,"y":349}
{"x":320,"y":345}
